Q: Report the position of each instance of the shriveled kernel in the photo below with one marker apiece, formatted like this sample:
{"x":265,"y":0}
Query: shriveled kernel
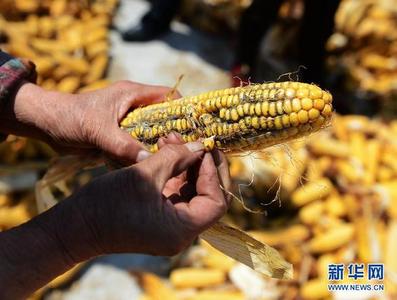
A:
{"x":277,"y":122}
{"x":227,"y":115}
{"x":252,"y":109}
{"x":306,"y":103}
{"x":303,"y":116}
{"x":235,"y":100}
{"x":318,"y":104}
{"x":213,"y":104}
{"x":290,"y":93}
{"x":270,"y":123}
{"x":287,"y":106}
{"x":209,"y":144}
{"x":302,"y":93}
{"x":222,"y":113}
{"x":272,"y":109}
{"x":155,"y":130}
{"x":240,"y":111}
{"x":265,"y":94}
{"x":154,"y":148}
{"x":265,"y":108}
{"x":242,"y":125}
{"x":178,"y":110}
{"x":280,"y":94}
{"x":255,"y":122}
{"x":272,"y":94}
{"x":285,"y":120}
{"x":293,"y":119}
{"x":220,"y":129}
{"x":168,"y":124}
{"x":285,"y":84}
{"x":313,"y":114}
{"x":208,"y":131}
{"x":214,"y":129}
{"x":234,"y":114}
{"x":147,"y":133}
{"x":279,"y":107}
{"x":161,"y":129}
{"x":229,"y":101}
{"x":296,"y":105}
{"x":327,"y":111}
{"x":246,"y":108}
{"x":218,"y":102}
{"x":224,"y":101}
{"x":262,"y":122}
{"x":248,"y":121}
{"x":225,"y":128}
{"x":258,"y":110}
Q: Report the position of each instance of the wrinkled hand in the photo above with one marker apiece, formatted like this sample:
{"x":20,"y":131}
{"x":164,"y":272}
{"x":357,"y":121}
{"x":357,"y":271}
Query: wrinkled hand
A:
{"x":157,"y":206}
{"x":87,"y":122}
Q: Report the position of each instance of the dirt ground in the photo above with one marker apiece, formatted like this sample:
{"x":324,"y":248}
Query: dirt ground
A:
{"x":203,"y":59}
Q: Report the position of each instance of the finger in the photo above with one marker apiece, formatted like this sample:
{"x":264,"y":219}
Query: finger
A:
{"x":172,"y":138}
{"x":122,"y":147}
{"x":222,"y":167}
{"x":170,"y":161}
{"x":210,"y":204}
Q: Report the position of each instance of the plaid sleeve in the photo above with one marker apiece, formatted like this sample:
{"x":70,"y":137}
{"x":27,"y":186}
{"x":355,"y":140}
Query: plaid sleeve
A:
{"x":12,"y":72}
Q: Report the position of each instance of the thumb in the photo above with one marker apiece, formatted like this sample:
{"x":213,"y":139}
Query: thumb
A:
{"x":120,"y":146}
{"x":171,"y":161}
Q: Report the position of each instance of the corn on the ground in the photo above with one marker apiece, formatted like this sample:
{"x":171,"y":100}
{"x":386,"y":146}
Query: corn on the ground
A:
{"x":235,"y":119}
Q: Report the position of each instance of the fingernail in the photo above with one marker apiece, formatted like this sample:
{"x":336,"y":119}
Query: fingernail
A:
{"x":143,"y":154}
{"x":195,"y":146}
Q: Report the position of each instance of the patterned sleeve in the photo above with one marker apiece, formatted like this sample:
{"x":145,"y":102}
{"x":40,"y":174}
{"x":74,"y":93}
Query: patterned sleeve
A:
{"x":12,"y":72}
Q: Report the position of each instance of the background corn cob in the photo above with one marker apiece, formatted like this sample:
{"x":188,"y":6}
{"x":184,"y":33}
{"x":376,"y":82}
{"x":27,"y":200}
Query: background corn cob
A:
{"x":236,"y":119}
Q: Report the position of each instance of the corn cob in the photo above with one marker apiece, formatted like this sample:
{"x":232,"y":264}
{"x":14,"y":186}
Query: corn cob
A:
{"x":235,"y":119}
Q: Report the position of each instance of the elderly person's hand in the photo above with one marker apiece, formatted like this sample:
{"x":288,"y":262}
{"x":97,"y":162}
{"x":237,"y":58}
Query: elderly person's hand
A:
{"x":80,"y":123}
{"x":157,"y":206}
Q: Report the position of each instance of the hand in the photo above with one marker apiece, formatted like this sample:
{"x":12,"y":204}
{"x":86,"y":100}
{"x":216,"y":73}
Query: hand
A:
{"x":157,"y":206}
{"x":147,"y":209}
{"x":85,"y":122}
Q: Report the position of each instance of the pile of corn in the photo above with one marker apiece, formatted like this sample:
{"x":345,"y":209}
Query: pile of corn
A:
{"x":337,"y":196}
{"x":339,"y":188}
{"x":67,"y":40}
{"x":367,"y":38}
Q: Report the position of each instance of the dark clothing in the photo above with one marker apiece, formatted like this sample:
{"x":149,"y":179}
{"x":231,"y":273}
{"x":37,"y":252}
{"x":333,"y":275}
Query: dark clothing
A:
{"x":161,"y":13}
{"x":317,"y":26}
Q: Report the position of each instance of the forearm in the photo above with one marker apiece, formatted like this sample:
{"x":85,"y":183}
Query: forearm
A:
{"x":34,"y":253}
{"x":31,"y":111}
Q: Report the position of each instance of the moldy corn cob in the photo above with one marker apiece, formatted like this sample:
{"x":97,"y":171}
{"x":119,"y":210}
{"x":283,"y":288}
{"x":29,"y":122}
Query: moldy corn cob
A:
{"x":235,"y":119}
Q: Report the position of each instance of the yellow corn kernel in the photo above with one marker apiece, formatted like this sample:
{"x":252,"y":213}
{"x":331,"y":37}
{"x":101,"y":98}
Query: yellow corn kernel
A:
{"x":155,"y":288}
{"x":291,"y":235}
{"x":315,"y":289}
{"x":197,"y":277}
{"x":390,"y":254}
{"x":335,"y":206}
{"x":329,"y":147}
{"x":311,"y":213}
{"x":312,"y":191}
{"x":217,"y":295}
{"x":332,"y":239}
